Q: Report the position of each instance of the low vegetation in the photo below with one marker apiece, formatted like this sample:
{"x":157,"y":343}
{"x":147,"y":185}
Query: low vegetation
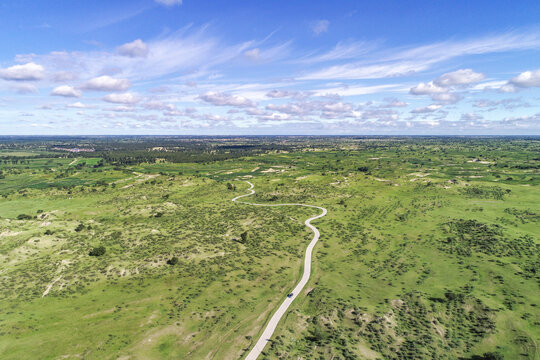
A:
{"x":430,"y":248}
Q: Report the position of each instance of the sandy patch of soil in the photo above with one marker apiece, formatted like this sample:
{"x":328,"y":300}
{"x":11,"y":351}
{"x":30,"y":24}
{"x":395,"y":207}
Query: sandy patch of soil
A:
{"x":141,"y":178}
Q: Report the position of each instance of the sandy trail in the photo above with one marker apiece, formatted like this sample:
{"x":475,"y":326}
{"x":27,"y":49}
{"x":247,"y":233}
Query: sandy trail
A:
{"x":49,"y":287}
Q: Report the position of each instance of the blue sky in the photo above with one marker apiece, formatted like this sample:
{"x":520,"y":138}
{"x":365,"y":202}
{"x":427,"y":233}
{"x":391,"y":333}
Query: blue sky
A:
{"x":274,"y":67}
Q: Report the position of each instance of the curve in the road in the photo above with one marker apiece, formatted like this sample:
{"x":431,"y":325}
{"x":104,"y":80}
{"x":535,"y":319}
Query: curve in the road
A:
{"x":272,"y":324}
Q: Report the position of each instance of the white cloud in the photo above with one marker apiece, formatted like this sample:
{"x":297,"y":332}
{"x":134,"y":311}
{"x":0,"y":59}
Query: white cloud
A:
{"x":274,"y":117}
{"x":288,"y":94}
{"x":508,"y":88}
{"x":393,"y":102}
{"x":122,"y":108}
{"x":27,"y":72}
{"x":523,"y":122}
{"x":107,"y":83}
{"x":446,"y":98}
{"x":320,"y":26}
{"x":428,"y":109}
{"x":222,"y":99}
{"x":471,"y":117}
{"x":459,"y":77}
{"x":526,"y":79}
{"x":439,"y":89}
{"x":78,"y":105}
{"x":169,"y":2}
{"x":123,"y":98}
{"x":429,"y":88}
{"x":337,"y":107}
{"x":298,"y":109}
{"x":280,"y":93}
{"x":255,"y":112}
{"x":66,"y":91}
{"x":136,"y":48}
{"x":158,"y":105}
{"x":508,"y":104}
{"x":302,"y":109}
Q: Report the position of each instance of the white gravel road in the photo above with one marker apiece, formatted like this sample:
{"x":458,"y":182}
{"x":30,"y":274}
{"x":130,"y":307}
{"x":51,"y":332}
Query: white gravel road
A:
{"x":272,"y":324}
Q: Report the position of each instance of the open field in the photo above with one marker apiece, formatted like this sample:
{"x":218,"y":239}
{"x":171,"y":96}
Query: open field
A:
{"x":430,"y":248}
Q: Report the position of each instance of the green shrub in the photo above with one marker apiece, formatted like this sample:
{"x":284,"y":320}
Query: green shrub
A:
{"x":97,"y":251}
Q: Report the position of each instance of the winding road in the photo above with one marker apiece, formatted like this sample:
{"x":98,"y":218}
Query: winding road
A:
{"x":272,"y":324}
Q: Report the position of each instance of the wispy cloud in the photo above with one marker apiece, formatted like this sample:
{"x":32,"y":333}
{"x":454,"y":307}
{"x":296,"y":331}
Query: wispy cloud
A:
{"x":320,"y":26}
{"x":400,"y":62}
{"x":169,"y":2}
{"x":185,"y":52}
{"x":114,"y":18}
{"x":342,"y":51}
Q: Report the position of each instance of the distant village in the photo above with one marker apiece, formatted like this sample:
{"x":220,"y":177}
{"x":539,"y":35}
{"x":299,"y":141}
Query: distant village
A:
{"x":74,"y":150}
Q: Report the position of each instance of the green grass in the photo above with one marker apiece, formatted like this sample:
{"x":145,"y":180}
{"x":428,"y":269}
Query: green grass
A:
{"x":389,"y":277}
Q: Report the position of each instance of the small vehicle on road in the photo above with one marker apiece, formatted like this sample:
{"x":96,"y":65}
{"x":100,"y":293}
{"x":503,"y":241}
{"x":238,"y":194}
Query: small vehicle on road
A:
{"x":290,"y":295}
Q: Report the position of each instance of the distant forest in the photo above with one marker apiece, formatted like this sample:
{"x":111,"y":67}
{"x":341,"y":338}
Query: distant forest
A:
{"x":132,"y":150}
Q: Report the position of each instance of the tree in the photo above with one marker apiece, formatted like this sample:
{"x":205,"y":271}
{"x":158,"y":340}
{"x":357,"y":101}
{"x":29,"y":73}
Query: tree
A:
{"x":244,"y":237}
{"x":172,"y":261}
{"x":493,"y":356}
{"x":317,"y":335}
{"x":97,"y":251}
{"x":79,"y":227}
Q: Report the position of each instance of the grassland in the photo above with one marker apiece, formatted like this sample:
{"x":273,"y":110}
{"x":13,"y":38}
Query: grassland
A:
{"x":429,"y":249}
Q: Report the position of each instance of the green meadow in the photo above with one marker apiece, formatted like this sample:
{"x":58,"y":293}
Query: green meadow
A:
{"x":430,"y":248}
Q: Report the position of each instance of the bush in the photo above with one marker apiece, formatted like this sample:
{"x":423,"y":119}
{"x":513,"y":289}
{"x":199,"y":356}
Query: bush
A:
{"x":97,"y":251}
{"x":172,"y":261}
{"x":493,"y":356}
{"x":24,"y":217}
{"x":79,"y":227}
{"x":244,"y":237}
